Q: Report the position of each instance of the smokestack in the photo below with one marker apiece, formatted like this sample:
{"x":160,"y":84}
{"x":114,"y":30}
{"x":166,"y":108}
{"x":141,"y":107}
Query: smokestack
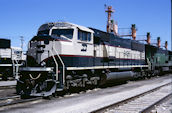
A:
{"x":148,"y":38}
{"x":166,"y":45}
{"x":115,"y":27}
{"x":133,"y":30}
{"x":158,"y":42}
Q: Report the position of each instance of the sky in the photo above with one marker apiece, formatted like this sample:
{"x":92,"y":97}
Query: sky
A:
{"x":23,"y":17}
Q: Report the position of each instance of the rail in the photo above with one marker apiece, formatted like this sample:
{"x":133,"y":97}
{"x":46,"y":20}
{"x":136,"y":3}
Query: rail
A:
{"x":14,"y":100}
{"x":151,"y":107}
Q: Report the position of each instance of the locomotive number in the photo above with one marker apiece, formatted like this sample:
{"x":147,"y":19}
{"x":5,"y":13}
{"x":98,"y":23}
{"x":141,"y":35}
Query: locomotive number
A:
{"x":126,"y":53}
{"x":84,"y":47}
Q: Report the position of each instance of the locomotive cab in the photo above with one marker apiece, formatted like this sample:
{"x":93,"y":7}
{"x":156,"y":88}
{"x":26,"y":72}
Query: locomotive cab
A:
{"x":65,"y":38}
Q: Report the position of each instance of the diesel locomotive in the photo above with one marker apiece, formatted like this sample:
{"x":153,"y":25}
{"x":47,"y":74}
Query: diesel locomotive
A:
{"x":64,"y":55}
{"x":10,"y":59}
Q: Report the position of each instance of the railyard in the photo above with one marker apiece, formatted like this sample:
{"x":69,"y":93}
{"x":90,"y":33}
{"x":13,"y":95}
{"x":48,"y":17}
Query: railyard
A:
{"x":71,"y":68}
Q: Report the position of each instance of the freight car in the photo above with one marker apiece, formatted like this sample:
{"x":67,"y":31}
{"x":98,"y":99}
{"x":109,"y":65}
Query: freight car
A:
{"x":64,"y":55}
{"x":10,"y":59}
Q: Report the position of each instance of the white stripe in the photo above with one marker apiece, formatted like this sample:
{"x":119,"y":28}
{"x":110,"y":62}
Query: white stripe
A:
{"x":104,"y":67}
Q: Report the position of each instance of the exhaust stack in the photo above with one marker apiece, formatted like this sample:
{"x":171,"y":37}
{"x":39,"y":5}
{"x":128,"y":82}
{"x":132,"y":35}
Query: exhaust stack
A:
{"x":158,"y":42}
{"x":148,"y":38}
{"x":166,"y":45}
{"x":133,"y":31}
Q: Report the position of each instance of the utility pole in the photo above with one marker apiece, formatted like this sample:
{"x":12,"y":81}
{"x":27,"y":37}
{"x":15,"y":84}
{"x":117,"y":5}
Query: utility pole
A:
{"x":22,"y":40}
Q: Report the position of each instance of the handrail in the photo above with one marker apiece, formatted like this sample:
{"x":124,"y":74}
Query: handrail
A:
{"x":149,"y":64}
{"x":15,"y":65}
{"x":61,"y":62}
{"x":13,"y":68}
{"x":55,"y":63}
{"x":17,"y":68}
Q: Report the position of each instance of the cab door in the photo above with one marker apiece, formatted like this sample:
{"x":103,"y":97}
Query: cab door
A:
{"x":84,"y":48}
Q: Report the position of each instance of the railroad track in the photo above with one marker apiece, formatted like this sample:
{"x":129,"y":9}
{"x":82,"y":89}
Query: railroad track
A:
{"x":8,"y":100}
{"x":86,"y":102}
{"x":13,"y":101}
{"x":10,"y":97}
{"x":7,"y":91}
{"x":141,"y":103}
{"x":7,"y":87}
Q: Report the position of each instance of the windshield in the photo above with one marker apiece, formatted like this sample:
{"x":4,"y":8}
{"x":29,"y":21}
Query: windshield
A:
{"x":44,"y":32}
{"x":63,"y":32}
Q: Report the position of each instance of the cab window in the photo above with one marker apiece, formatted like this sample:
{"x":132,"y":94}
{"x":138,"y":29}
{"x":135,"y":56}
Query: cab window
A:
{"x":84,"y":36}
{"x":65,"y":32}
{"x":44,"y":32}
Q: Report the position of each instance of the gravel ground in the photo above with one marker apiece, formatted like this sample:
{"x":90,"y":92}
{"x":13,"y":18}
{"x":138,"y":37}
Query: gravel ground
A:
{"x":91,"y":100}
{"x":165,"y":107}
{"x":5,"y":90}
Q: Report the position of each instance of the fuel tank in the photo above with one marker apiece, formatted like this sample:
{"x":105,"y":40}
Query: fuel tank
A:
{"x":114,"y":77}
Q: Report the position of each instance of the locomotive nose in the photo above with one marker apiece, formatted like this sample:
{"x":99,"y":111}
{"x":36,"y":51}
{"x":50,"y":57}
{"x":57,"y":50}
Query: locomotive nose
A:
{"x":45,"y":47}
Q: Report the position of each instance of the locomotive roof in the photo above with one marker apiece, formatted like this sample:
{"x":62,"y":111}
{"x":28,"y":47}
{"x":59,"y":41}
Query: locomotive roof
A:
{"x":159,"y":50}
{"x":40,"y":37}
{"x":4,"y":39}
{"x":63,"y":24}
{"x":106,"y":36}
{"x":101,"y":34}
{"x":5,"y":43}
